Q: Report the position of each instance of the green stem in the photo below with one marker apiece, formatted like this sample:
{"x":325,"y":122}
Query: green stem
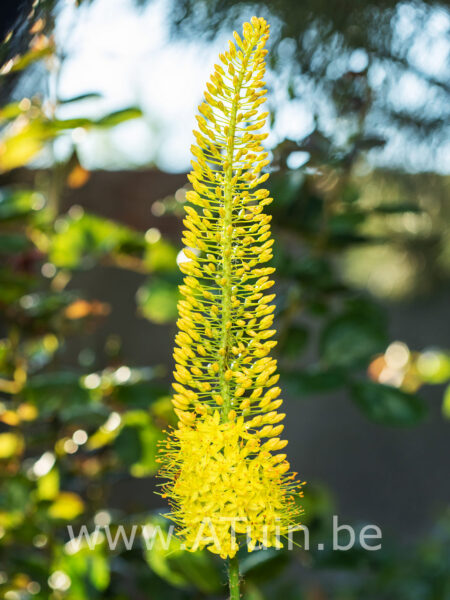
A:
{"x":226,"y":339}
{"x":225,"y":342}
{"x":233,"y":576}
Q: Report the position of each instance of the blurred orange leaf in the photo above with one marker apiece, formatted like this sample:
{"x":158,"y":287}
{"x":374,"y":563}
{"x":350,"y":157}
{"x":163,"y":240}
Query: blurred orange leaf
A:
{"x":82,"y":308}
{"x":78,"y":177}
{"x":37,"y":26}
{"x":10,"y":417}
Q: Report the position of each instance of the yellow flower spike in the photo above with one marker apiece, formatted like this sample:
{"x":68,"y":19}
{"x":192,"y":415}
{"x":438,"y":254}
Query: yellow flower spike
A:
{"x":221,"y":468}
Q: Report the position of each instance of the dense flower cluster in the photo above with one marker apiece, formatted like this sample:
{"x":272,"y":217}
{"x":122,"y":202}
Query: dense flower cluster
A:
{"x":220,"y":463}
{"x":226,"y":483}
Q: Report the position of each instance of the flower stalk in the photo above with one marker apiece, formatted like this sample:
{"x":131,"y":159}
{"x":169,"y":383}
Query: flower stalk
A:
{"x":227,"y":242}
{"x":233,"y":578}
{"x":226,"y":481}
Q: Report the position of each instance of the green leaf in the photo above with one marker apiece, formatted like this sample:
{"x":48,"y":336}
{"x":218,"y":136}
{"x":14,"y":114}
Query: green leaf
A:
{"x":22,"y":62}
{"x":88,"y":570}
{"x":400,"y":207}
{"x":16,"y":203}
{"x":434,"y":366}
{"x":252,"y":592}
{"x":295,"y":341}
{"x":138,"y":395}
{"x":43,"y":305}
{"x":137,"y":443}
{"x":62,"y":392}
{"x":81,"y":97}
{"x":39,"y":351}
{"x":157,"y":300}
{"x":162,"y":410}
{"x":281,"y":590}
{"x":85,"y":238}
{"x":99,"y":571}
{"x":318,"y":507}
{"x":136,"y":387}
{"x":351,"y":340}
{"x":315,"y":273}
{"x":355,"y":558}
{"x":161,"y":257}
{"x":11,"y":444}
{"x":178,"y":566}
{"x":388,"y":405}
{"x":10,"y":111}
{"x":128,"y":445}
{"x":66,"y":506}
{"x":21,"y":146}
{"x":15,"y":501}
{"x":57,"y":126}
{"x":264,"y":564}
{"x":367,"y":308}
{"x":342,"y":240}
{"x":13,"y":243}
{"x":47,"y":486}
{"x":119,"y":116}
{"x":14,"y":285}
{"x":307,"y":382}
{"x":345,"y":223}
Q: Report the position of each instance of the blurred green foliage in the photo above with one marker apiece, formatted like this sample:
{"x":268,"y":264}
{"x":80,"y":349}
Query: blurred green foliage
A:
{"x":66,"y":436}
